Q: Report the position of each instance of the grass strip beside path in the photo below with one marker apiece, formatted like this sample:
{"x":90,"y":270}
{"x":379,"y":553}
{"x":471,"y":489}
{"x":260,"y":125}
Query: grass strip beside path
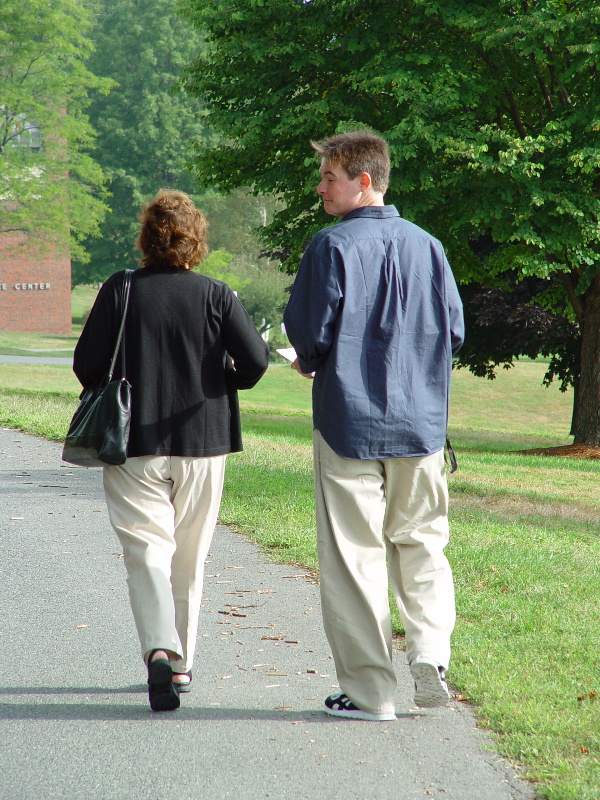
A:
{"x":45,"y":414}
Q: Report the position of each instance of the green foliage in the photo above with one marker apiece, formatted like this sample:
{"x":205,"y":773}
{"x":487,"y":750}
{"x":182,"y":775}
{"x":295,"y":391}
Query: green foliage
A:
{"x":215,"y":266}
{"x":264,"y":297}
{"x":144,"y":125}
{"x":234,"y":220}
{"x":51,"y":189}
{"x":260,"y":286}
{"x":491,"y":111}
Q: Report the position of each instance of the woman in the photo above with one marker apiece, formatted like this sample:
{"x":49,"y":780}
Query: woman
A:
{"x":189,"y":346}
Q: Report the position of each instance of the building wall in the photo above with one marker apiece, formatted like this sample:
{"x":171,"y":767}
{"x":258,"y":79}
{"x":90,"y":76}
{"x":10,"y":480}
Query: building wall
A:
{"x":35,"y":288}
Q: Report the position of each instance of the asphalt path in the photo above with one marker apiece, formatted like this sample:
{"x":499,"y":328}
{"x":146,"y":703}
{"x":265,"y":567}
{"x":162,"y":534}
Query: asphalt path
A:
{"x":48,"y":360}
{"x":74,"y":717}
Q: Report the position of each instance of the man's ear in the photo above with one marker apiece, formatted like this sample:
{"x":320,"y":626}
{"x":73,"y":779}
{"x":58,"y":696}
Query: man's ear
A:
{"x":365,"y":181}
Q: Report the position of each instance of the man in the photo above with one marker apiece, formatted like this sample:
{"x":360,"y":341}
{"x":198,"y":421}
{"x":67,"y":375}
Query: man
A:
{"x":375,"y":315}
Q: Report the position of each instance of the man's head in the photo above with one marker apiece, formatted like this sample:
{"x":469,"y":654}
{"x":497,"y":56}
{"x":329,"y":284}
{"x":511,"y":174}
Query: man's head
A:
{"x":355,"y":169}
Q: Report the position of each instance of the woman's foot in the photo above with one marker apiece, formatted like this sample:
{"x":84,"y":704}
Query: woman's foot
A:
{"x":183,"y":680}
{"x":162,"y":692}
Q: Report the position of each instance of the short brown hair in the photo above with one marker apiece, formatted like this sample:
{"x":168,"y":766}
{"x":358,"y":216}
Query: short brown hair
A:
{"x":356,"y":152}
{"x":173,"y":232}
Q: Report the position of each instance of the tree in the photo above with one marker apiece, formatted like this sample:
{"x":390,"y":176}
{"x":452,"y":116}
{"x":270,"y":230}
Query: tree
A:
{"x":144,"y":126}
{"x":491,"y":110}
{"x":217,"y":266}
{"x":50,"y":188}
{"x":507,"y":322}
{"x":519,"y":316}
{"x":260,"y":286}
{"x":234,"y":220}
{"x":264,"y":298}
{"x":235,"y":223}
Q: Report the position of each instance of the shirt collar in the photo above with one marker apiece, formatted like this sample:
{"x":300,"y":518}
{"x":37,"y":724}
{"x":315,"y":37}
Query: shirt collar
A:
{"x":372,"y":212}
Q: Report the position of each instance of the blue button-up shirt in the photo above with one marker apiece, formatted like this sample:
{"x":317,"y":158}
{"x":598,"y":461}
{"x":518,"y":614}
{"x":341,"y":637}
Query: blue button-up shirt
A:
{"x":375,"y":314}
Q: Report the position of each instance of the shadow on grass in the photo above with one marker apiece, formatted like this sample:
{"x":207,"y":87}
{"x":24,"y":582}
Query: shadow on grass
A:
{"x":495,"y":442}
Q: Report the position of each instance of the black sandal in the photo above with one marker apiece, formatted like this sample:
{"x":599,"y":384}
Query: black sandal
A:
{"x":184,"y":687}
{"x":163,"y":694}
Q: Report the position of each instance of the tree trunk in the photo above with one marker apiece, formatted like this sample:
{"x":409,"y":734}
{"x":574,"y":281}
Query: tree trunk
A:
{"x":586,"y":415}
{"x":575,"y":408}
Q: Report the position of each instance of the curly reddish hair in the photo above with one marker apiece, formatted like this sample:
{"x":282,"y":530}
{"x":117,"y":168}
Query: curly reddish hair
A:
{"x":173,"y":232}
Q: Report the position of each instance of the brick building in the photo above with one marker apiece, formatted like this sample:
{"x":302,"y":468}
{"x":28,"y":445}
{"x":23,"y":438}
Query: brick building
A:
{"x":35,"y":282}
{"x":35,"y":288}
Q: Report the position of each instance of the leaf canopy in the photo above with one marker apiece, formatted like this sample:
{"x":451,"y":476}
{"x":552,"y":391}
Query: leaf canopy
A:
{"x":50,"y":187}
{"x":492,"y":112}
{"x":144,"y":125}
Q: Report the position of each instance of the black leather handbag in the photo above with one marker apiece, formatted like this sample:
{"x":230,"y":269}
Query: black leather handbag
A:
{"x":99,"y":431}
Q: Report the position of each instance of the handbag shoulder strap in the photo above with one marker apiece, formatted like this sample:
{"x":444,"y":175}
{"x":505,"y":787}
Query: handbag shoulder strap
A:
{"x":451,"y":457}
{"x":125,"y":291}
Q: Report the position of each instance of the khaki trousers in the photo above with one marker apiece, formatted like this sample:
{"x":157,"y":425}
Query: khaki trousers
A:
{"x":367,"y":510}
{"x":164,"y":511}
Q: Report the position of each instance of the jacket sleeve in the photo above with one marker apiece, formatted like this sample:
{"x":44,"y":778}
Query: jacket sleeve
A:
{"x":94,"y":349}
{"x":243,"y":343}
{"x":313,"y":307}
{"x":455,"y":311}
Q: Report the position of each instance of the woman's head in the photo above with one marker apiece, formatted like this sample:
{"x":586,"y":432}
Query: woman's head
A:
{"x":173,"y":232}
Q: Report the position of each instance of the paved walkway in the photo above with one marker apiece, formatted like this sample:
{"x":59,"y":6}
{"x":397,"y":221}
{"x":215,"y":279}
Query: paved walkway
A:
{"x":48,"y":360}
{"x":74,"y":718}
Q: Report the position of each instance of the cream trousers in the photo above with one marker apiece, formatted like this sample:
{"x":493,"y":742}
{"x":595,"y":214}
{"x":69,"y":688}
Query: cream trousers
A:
{"x":164,"y":511}
{"x":367,"y":511}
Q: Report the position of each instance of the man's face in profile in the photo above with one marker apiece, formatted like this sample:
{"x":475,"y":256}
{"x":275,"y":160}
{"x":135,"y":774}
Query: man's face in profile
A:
{"x":340,"y":194}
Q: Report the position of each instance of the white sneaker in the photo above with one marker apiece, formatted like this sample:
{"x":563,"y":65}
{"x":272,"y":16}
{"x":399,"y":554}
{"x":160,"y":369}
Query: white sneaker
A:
{"x":340,"y":705}
{"x":431,"y":690}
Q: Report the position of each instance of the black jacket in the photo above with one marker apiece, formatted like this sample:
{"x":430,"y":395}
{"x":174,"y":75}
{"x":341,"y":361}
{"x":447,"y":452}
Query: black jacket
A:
{"x":181,"y":334}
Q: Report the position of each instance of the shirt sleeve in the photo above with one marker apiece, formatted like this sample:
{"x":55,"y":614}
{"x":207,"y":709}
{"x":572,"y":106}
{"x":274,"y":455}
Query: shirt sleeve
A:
{"x":313,"y":307}
{"x":455,"y":311}
{"x":250,"y":353}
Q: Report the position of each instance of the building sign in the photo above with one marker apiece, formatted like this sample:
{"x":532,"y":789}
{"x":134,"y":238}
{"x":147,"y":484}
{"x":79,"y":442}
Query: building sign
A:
{"x":23,"y":287}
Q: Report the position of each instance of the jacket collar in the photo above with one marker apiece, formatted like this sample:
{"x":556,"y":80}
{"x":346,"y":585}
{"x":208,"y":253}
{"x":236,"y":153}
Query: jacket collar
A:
{"x":372,"y":212}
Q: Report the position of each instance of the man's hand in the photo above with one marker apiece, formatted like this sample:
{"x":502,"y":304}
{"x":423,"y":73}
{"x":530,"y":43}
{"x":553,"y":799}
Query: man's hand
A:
{"x":296,"y":366}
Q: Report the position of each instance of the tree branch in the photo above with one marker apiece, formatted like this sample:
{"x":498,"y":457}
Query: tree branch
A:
{"x":543,"y":87}
{"x":570,"y":284}
{"x":558,"y":85}
{"x":514,"y":112}
{"x":29,"y":69}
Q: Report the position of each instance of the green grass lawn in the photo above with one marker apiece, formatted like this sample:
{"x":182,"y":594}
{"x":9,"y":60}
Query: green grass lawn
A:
{"x":525,"y":547}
